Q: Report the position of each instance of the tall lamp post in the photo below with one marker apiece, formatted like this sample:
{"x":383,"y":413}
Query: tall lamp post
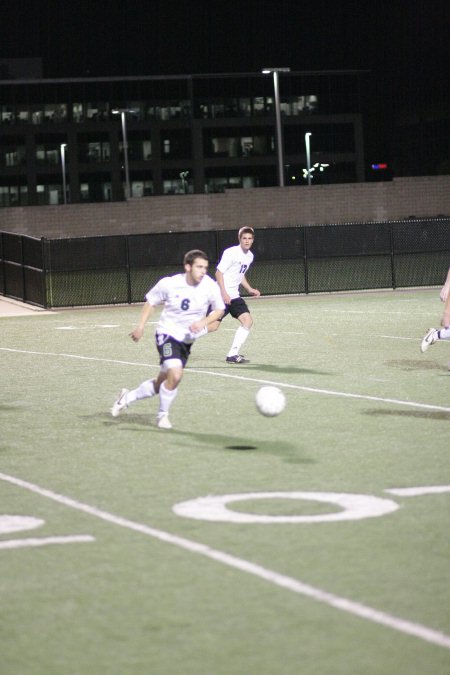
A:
{"x":275,"y":72}
{"x":308,"y":155}
{"x":122,"y":112}
{"x":63,"y":168}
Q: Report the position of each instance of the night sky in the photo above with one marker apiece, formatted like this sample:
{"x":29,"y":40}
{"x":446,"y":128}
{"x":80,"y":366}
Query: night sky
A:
{"x":401,"y":42}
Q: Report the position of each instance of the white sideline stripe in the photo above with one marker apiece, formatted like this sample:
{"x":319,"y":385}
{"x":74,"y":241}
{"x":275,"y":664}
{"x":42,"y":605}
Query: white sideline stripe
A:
{"x":298,"y":387}
{"x":363,"y":611}
{"x":44,"y":541}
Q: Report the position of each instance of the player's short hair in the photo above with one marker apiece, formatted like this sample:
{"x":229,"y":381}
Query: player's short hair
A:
{"x":190,"y":256}
{"x":246,"y":230}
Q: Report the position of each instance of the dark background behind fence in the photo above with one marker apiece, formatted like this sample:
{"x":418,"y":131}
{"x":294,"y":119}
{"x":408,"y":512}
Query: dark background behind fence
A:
{"x":305,"y":259}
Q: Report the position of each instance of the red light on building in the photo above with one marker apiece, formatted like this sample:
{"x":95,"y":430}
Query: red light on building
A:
{"x":379,"y":166}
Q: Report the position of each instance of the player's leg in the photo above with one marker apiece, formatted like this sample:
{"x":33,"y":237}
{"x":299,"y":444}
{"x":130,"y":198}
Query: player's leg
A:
{"x":168,"y":381}
{"x":174,"y":356}
{"x":432,"y":336}
{"x":212,"y":327}
{"x":145,"y":390}
{"x":241,"y":312}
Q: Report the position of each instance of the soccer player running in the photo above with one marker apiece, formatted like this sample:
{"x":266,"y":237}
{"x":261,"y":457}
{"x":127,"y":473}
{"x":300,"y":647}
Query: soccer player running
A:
{"x":434,"y":334}
{"x":186,"y":299}
{"x":231,"y":274}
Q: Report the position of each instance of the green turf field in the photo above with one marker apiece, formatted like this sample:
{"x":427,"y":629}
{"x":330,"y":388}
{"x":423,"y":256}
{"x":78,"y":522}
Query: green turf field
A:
{"x":100,"y":574}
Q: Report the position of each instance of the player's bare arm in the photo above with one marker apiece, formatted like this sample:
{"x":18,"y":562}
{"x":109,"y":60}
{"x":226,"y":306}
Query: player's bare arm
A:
{"x":207,"y":321}
{"x":219,"y":278}
{"x":445,"y":321}
{"x":138,"y":332}
{"x":253,"y":291}
{"x":445,"y":288}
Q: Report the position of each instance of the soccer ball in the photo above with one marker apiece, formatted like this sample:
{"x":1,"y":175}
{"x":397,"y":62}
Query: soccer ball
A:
{"x":270,"y":401}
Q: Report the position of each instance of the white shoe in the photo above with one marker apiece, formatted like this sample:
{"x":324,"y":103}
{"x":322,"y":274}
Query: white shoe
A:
{"x":120,"y":404}
{"x":429,"y":339}
{"x":163,"y":421}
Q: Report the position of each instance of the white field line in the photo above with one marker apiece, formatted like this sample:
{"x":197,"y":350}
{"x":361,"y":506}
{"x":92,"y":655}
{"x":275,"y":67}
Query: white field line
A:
{"x":398,"y":337}
{"x":355,"y":608}
{"x":45,"y":541}
{"x":368,"y":312}
{"x":233,"y":330}
{"x":298,"y":387}
{"x":327,"y":392}
{"x":419,"y":491}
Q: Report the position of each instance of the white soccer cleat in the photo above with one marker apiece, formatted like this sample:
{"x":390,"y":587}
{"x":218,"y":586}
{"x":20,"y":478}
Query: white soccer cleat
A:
{"x":120,"y":404}
{"x":163,"y":421}
{"x":429,"y":339}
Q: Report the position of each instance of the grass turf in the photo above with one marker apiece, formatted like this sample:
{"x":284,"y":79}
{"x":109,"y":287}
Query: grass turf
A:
{"x":357,"y":421}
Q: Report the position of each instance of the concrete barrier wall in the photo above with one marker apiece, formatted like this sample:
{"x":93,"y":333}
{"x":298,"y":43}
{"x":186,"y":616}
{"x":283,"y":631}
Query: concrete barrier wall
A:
{"x":427,"y":196}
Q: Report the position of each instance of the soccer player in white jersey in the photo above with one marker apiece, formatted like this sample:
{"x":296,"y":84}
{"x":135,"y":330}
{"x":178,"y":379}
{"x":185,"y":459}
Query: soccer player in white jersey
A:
{"x":435,"y":334}
{"x":231,"y":274}
{"x":445,"y":290}
{"x":186,"y":299}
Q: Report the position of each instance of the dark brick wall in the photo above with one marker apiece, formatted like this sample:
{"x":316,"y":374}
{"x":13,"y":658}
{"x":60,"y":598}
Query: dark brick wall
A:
{"x":427,"y":196}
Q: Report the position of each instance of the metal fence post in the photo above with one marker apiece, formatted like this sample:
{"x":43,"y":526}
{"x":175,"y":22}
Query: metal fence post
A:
{"x":393,"y":277}
{"x":305,"y":258}
{"x":44,"y":272}
{"x":128,"y":271}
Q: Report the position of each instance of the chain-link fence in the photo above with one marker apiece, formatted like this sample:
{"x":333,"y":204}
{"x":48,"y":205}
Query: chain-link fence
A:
{"x":304,"y":259}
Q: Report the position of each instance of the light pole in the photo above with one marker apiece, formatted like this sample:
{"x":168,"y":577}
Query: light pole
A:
{"x":184,"y":182}
{"x":123,"y":112}
{"x":63,"y":168}
{"x":275,"y":72}
{"x":308,"y":155}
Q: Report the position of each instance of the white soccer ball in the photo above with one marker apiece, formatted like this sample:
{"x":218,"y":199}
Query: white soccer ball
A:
{"x":270,"y":401}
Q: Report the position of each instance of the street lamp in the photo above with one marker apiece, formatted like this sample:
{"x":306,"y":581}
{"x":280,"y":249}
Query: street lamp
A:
{"x":308,"y":173}
{"x":122,"y":112}
{"x":275,"y":71}
{"x":308,"y":155}
{"x":184,"y":182}
{"x":63,"y":167}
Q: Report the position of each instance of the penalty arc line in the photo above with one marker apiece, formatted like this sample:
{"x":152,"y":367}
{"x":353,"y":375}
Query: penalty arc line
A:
{"x":351,"y":607}
{"x":298,"y":387}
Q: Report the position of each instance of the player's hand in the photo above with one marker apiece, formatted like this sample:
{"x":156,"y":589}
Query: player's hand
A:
{"x":255,"y":292}
{"x":444,"y":293}
{"x":136,"y":334}
{"x":197,"y":326}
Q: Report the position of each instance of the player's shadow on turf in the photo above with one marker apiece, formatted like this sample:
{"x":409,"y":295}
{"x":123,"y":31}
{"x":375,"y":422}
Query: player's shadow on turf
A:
{"x":282,"y":449}
{"x":419,"y":414}
{"x":241,"y":447}
{"x":288,"y":452}
{"x":410,"y":364}
{"x":144,"y":419}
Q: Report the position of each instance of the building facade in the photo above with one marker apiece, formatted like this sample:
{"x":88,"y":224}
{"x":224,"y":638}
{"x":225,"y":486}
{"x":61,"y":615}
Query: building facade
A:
{"x":106,"y":139}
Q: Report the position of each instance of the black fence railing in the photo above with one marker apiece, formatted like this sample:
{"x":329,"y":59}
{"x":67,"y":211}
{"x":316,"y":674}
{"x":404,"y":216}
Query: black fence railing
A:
{"x":305,"y":259}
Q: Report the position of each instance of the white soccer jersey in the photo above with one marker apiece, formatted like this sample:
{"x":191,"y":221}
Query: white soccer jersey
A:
{"x":183,"y":304}
{"x":234,"y":264}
